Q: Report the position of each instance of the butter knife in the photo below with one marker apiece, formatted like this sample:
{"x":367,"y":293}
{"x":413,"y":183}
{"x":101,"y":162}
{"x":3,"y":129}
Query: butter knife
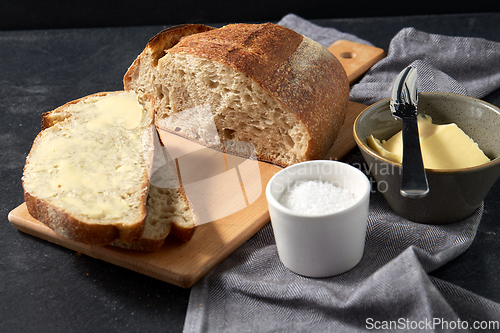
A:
{"x":403,"y":106}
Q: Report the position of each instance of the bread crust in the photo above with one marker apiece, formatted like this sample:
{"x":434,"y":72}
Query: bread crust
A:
{"x":74,"y":228}
{"x":300,"y":73}
{"x":157,"y":46}
{"x":77,"y":230}
{"x":303,"y":76}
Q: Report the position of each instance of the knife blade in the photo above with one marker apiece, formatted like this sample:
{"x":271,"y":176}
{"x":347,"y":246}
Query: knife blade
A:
{"x":403,"y":105}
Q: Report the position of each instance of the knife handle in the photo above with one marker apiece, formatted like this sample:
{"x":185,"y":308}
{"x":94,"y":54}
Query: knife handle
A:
{"x":414,"y":180}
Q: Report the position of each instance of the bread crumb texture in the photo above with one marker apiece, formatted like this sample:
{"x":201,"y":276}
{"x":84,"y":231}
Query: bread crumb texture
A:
{"x":92,"y":162}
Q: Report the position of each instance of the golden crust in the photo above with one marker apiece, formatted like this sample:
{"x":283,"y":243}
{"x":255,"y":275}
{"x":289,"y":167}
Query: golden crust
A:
{"x":77,"y":230}
{"x":299,"y":73}
{"x":254,"y":49}
{"x":312,"y":84}
{"x":161,"y":42}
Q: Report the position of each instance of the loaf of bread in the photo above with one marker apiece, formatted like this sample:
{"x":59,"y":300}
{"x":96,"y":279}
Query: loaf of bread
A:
{"x":263,"y":83}
{"x":90,"y":174}
{"x":87,"y":175}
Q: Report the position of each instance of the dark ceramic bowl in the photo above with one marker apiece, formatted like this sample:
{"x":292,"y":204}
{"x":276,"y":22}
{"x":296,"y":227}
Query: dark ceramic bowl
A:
{"x":453,"y":194}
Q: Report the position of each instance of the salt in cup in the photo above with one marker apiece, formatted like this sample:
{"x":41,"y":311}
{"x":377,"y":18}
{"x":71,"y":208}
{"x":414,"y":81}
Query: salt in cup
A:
{"x":319,"y":243}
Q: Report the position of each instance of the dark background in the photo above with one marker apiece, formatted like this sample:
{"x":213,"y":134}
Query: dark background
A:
{"x":53,"y":14}
{"x":48,"y":288}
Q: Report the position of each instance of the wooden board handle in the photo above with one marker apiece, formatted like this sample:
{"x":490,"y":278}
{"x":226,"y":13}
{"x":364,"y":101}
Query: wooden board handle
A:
{"x":356,"y":58}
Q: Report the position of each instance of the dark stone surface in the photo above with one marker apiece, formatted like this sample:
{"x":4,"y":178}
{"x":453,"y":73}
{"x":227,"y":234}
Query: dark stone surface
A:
{"x":44,"y":287}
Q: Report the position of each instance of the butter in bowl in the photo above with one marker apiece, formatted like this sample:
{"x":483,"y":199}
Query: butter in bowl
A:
{"x":461,"y":167}
{"x":443,"y":146}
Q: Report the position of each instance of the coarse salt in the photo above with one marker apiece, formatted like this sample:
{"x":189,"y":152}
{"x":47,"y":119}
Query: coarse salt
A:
{"x":316,"y":197}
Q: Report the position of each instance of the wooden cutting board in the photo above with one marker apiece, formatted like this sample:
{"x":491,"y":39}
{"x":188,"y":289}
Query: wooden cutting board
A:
{"x":183,"y":264}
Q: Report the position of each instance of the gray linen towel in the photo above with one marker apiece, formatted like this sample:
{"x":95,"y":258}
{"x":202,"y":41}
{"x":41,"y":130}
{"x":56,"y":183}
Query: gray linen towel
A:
{"x":251,"y":291}
{"x":463,"y":65}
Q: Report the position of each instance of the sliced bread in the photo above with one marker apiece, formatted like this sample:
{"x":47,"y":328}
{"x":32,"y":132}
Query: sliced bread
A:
{"x":168,"y":213}
{"x":87,"y":174}
{"x":168,"y":209}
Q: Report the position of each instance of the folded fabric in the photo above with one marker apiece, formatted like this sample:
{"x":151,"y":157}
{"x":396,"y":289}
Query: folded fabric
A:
{"x":251,"y":291}
{"x":462,"y":65}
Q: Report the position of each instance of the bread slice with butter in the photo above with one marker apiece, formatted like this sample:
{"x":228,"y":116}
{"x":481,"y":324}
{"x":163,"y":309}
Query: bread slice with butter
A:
{"x":87,"y":174}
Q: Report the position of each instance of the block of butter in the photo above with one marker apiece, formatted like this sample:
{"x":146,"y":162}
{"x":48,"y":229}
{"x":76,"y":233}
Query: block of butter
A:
{"x":443,"y":146}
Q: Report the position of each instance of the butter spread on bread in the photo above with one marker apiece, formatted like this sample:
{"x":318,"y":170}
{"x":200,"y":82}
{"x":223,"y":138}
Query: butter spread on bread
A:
{"x":75,"y":162}
{"x":87,"y":174}
{"x":265,"y":84}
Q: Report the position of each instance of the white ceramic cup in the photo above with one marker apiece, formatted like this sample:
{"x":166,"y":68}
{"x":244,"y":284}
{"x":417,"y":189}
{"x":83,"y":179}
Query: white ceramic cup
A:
{"x":320,"y":245}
